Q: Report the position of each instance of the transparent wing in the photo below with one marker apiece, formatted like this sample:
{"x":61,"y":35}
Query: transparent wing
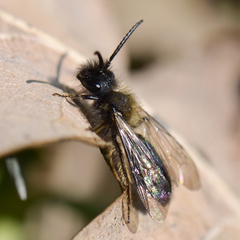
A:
{"x":150,"y":176}
{"x":178,"y":163}
{"x":156,"y":160}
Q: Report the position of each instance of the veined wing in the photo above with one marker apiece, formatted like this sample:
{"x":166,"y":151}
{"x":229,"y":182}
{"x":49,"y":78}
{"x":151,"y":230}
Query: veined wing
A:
{"x":176,"y":160}
{"x":150,"y":175}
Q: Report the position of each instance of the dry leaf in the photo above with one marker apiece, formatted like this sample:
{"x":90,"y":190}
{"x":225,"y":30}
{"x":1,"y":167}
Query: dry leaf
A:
{"x":212,"y":211}
{"x":30,"y":115}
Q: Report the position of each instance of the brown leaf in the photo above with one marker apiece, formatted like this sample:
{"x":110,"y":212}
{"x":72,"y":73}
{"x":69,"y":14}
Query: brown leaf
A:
{"x":208,"y":213}
{"x":29,"y":114}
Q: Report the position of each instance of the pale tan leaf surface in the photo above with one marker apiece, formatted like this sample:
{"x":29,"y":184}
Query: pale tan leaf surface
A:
{"x":205,"y":214}
{"x":30,"y":116}
{"x":84,"y":25}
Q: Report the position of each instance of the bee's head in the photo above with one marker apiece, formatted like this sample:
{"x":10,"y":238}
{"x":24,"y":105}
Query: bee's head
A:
{"x":96,"y":77}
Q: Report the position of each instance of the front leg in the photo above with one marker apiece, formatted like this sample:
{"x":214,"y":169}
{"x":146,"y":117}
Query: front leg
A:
{"x":69,"y":95}
{"x":76,"y":95}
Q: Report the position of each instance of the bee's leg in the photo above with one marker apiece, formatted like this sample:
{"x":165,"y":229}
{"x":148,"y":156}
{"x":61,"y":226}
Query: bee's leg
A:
{"x":70,"y":95}
{"x":89,"y":97}
{"x":125,"y":179}
{"x":118,"y":162}
{"x":67,"y":96}
{"x":130,"y":213}
{"x":129,"y":203}
{"x":109,"y":154}
{"x":100,"y":127}
{"x":76,"y":95}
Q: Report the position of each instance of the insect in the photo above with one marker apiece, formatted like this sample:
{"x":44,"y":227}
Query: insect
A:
{"x":144,"y":157}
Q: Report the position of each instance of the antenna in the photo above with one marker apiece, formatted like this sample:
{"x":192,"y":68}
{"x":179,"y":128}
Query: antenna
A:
{"x":122,"y":43}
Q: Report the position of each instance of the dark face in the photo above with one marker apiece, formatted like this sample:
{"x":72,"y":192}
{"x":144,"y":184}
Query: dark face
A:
{"x":97,"y":81}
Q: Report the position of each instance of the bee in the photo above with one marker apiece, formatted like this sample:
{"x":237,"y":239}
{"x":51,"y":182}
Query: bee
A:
{"x":145,"y":159}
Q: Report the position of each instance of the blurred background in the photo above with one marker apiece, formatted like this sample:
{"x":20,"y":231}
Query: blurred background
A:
{"x":183,"y":63}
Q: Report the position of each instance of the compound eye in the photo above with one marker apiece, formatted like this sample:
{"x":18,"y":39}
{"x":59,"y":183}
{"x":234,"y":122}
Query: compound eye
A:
{"x":90,"y":85}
